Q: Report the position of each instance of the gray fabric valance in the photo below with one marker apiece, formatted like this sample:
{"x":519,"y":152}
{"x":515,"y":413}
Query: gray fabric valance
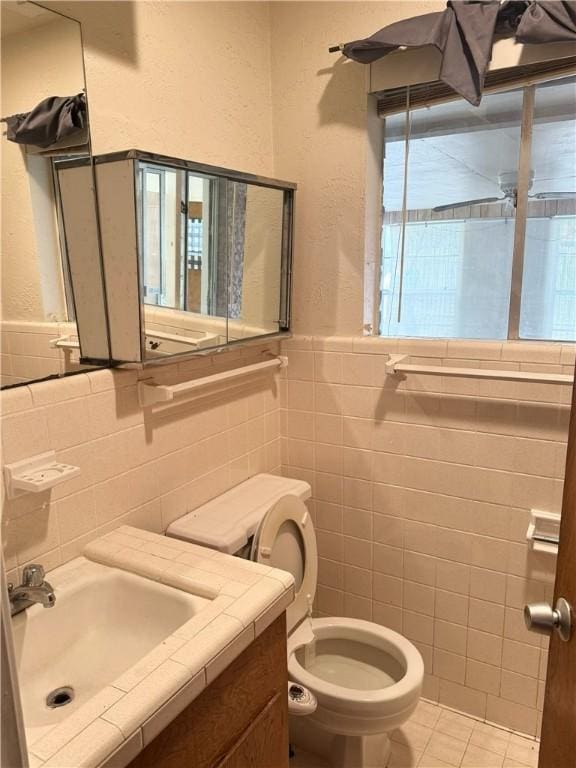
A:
{"x":464,"y":33}
{"x":55,"y":120}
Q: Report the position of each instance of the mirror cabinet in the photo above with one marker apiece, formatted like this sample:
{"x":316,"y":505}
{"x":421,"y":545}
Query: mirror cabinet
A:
{"x":196,"y":258}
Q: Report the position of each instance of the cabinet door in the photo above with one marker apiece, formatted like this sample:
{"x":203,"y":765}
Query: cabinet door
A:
{"x":264,"y":744}
{"x":216,"y":722}
{"x":558,"y":744}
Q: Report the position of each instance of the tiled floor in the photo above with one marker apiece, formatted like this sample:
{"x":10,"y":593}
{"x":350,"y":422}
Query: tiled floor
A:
{"x":436,"y":737}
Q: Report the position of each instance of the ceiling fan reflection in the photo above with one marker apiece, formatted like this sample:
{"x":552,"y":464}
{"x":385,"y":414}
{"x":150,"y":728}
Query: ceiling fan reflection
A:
{"x":508,"y":183}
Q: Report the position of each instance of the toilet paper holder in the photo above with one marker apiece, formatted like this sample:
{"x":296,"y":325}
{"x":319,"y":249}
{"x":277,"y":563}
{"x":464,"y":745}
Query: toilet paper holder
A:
{"x":544,"y":531}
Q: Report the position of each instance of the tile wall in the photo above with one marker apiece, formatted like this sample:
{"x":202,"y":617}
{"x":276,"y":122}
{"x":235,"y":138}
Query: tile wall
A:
{"x":27,"y":354}
{"x":141,"y":467}
{"x":421,"y":488}
{"x":421,"y":496}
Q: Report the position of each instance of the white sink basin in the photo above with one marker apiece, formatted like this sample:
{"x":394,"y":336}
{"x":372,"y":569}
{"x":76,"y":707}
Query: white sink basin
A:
{"x":104,"y":620}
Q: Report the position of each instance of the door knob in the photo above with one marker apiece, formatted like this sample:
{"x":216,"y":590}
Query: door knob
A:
{"x":542,"y":618}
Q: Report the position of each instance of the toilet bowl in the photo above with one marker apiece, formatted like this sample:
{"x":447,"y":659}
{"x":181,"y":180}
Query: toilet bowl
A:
{"x":366,"y":678}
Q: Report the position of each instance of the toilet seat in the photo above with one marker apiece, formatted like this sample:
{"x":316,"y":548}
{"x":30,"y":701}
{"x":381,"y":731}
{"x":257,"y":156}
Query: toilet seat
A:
{"x":285,"y":539}
{"x":399,"y":696}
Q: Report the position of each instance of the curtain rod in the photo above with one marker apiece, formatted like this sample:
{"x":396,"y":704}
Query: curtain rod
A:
{"x":337,"y":48}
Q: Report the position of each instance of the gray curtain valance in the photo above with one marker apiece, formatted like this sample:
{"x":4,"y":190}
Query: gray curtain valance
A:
{"x":464,"y":33}
{"x":54,"y":120}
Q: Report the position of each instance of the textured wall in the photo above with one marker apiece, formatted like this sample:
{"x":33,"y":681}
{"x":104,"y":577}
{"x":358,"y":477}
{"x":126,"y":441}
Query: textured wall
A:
{"x":186,"y":79}
{"x":36,"y":63}
{"x":211,"y":99}
{"x":321,"y":142}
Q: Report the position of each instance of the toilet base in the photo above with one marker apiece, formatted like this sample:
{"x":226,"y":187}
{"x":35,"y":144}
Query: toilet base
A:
{"x":360,"y":751}
{"x":339,"y":750}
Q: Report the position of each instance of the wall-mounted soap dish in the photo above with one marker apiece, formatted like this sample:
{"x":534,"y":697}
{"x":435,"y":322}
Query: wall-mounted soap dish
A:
{"x":40,"y":473}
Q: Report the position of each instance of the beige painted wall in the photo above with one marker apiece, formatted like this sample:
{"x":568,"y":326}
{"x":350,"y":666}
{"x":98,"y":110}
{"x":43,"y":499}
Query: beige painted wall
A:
{"x":185,"y":79}
{"x":269,"y":99}
{"x":191,"y":80}
{"x":36,"y":63}
{"x":321,"y":142}
{"x":265,"y":96}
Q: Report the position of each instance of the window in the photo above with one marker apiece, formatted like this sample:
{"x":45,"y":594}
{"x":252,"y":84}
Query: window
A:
{"x":479,"y":220}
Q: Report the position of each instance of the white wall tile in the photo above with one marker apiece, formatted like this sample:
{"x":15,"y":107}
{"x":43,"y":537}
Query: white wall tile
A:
{"x":449,"y":475}
{"x":511,"y":714}
{"x":483,"y":677}
{"x":455,"y":467}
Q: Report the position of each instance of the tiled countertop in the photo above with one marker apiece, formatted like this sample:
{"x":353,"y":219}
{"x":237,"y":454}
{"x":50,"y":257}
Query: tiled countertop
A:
{"x":112,"y":727}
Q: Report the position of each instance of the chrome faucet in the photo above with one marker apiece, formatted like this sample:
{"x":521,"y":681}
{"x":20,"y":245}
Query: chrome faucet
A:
{"x":32,"y":590}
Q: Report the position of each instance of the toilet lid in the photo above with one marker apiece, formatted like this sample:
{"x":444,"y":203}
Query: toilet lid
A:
{"x":286,"y":540}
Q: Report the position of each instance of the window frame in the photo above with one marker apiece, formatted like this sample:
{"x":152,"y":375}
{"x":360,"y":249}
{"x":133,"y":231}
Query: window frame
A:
{"x":523,"y":187}
{"x":528,"y":86}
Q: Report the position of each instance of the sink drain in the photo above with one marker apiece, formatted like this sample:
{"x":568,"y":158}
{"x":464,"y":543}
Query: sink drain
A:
{"x":59,"y":697}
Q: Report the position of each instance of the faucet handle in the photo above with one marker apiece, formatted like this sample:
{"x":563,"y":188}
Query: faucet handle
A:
{"x":33,"y":575}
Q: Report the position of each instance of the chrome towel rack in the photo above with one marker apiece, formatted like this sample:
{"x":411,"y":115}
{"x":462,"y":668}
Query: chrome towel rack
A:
{"x":152,"y":394}
{"x":396,"y":366}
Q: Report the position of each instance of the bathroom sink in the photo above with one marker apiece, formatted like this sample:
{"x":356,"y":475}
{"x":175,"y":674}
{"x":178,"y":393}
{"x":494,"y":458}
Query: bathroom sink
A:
{"x":104,"y":620}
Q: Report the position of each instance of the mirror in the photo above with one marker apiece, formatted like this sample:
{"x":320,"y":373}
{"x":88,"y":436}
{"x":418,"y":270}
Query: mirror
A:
{"x":183,"y":259}
{"x":42,"y":60}
{"x":211,"y":255}
{"x":195,"y":257}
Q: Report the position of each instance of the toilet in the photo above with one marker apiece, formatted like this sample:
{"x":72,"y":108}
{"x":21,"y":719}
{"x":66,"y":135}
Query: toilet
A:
{"x":366,"y":678}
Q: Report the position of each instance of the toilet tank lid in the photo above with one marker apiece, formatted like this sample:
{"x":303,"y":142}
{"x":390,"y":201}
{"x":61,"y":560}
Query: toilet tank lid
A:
{"x":227,"y":522}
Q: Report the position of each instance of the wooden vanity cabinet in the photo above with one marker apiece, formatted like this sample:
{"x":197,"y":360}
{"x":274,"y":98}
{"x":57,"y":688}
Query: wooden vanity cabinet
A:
{"x":239,"y":721}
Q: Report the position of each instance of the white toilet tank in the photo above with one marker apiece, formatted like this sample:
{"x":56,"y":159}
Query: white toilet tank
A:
{"x":229,"y":522}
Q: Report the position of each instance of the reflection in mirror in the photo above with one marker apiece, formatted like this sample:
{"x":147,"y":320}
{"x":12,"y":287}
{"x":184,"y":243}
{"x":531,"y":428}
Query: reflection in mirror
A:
{"x":42,"y":73}
{"x":255,"y":261}
{"x":211,"y":259}
{"x":183,"y":261}
{"x":214,"y":255}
